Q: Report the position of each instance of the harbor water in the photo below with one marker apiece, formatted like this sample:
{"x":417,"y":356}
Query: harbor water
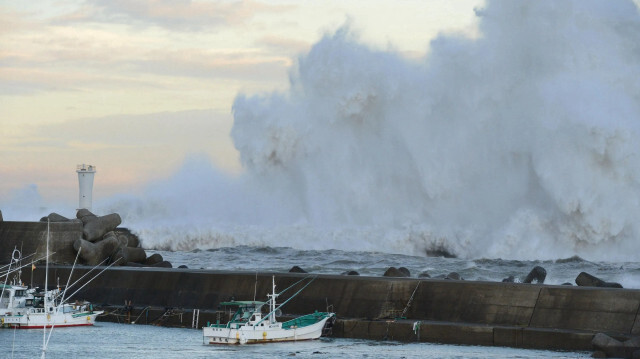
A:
{"x":110,"y":340}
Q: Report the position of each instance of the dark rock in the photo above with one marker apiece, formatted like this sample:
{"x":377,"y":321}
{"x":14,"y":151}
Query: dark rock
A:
{"x":509,"y":279}
{"x":85,"y":215}
{"x":153,"y":259}
{"x":350,"y":272}
{"x":453,"y":276}
{"x":405,"y":271}
{"x":567,"y":283}
{"x":132,"y":239}
{"x":631,"y":346}
{"x":125,"y":255}
{"x":439,"y":251}
{"x":599,"y":354}
{"x":394,"y":272}
{"x":573,"y":259}
{"x":183,"y":267}
{"x":94,"y":253}
{"x":1,"y":219}
{"x":296,"y":269}
{"x":585,"y":279}
{"x":54,"y":217}
{"x":611,"y":347}
{"x":163,"y":264}
{"x":424,"y":274}
{"x":95,"y":228}
{"x":538,"y":274}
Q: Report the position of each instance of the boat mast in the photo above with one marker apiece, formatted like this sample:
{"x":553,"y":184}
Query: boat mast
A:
{"x":273,"y":296}
{"x":46,"y":281}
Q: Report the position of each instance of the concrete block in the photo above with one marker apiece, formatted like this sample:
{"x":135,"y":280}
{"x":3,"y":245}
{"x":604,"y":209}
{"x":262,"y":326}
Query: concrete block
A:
{"x":508,"y":336}
{"x":96,"y":228}
{"x":554,"y":339}
{"x":475,"y":302}
{"x":31,"y":237}
{"x":454,"y":333}
{"x":604,"y":310}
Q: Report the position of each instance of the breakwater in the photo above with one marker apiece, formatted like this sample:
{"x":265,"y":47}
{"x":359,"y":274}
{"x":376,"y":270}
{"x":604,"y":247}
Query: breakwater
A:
{"x":405,"y":309}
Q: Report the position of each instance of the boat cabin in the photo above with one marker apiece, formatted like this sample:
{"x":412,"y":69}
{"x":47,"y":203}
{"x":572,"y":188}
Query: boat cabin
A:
{"x":247,"y":313}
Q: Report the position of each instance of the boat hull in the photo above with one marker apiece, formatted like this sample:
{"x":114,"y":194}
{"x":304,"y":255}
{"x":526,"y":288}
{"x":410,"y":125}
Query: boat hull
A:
{"x":262,"y":334}
{"x":39,"y":321}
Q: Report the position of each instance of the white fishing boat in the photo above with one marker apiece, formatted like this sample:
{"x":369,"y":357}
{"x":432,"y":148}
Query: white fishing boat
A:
{"x":249,"y":326}
{"x":24,"y":308}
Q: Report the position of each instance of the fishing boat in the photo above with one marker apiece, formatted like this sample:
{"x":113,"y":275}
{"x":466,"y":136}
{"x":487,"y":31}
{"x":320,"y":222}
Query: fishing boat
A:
{"x":249,"y":326}
{"x":28,"y":309}
{"x":22,"y":307}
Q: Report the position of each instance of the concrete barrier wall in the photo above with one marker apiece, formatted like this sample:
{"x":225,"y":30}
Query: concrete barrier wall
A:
{"x":370,"y":298}
{"x":583,"y":308}
{"x":30,"y":237}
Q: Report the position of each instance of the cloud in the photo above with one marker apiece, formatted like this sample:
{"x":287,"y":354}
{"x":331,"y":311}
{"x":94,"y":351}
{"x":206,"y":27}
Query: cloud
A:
{"x":284,"y":45}
{"x":183,"y":15}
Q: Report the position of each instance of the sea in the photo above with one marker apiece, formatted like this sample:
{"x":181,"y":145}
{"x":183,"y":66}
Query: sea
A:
{"x":111,"y":340}
{"x":562,"y":271}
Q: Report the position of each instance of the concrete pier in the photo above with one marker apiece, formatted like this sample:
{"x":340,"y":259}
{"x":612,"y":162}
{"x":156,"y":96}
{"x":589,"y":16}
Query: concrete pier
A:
{"x":461,"y":312}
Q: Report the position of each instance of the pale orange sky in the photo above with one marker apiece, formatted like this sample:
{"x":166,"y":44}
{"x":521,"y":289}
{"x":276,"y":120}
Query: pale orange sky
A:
{"x":133,"y":87}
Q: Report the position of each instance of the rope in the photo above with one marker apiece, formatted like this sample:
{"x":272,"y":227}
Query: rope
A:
{"x":404,"y":311}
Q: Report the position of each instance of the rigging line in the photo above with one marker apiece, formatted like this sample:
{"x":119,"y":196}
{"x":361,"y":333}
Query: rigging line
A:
{"x":9,"y":271}
{"x":294,"y":284}
{"x":410,"y":300}
{"x":96,"y":276}
{"x":86,"y":274}
{"x":70,"y":274}
{"x":255,"y":287}
{"x":285,"y":302}
{"x":45,"y":345}
{"x":21,"y":258}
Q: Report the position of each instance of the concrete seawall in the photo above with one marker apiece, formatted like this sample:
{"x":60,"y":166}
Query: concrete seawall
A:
{"x":479,"y":313}
{"x":30,"y":237}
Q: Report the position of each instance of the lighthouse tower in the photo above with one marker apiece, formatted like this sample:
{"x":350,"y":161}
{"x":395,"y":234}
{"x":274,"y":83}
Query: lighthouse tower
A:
{"x":85,"y":179}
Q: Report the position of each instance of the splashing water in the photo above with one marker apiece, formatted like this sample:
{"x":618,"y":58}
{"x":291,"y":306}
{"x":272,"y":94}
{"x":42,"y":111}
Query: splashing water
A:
{"x":521,"y":143}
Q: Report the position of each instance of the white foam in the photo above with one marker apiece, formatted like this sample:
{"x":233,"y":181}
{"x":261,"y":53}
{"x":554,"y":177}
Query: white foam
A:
{"x":522,"y":143}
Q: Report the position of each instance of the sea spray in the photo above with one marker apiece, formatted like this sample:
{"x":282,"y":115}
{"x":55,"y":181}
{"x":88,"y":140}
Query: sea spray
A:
{"x":519,"y":143}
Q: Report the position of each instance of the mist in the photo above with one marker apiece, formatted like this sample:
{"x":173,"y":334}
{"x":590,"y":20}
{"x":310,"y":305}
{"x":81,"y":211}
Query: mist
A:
{"x":521,"y":143}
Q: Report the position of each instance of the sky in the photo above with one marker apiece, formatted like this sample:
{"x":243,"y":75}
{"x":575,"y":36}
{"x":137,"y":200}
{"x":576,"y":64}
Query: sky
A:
{"x":134,"y":87}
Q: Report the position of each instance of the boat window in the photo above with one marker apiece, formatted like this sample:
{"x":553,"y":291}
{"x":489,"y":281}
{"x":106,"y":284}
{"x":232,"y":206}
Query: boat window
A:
{"x":20,"y":293}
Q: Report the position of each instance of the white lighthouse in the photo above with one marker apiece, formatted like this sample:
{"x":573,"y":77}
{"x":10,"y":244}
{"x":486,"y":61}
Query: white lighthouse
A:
{"x":85,"y":179}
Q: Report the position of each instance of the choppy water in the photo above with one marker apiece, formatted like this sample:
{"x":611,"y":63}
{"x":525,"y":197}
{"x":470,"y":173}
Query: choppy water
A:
{"x":111,"y":340}
{"x":281,"y":259}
